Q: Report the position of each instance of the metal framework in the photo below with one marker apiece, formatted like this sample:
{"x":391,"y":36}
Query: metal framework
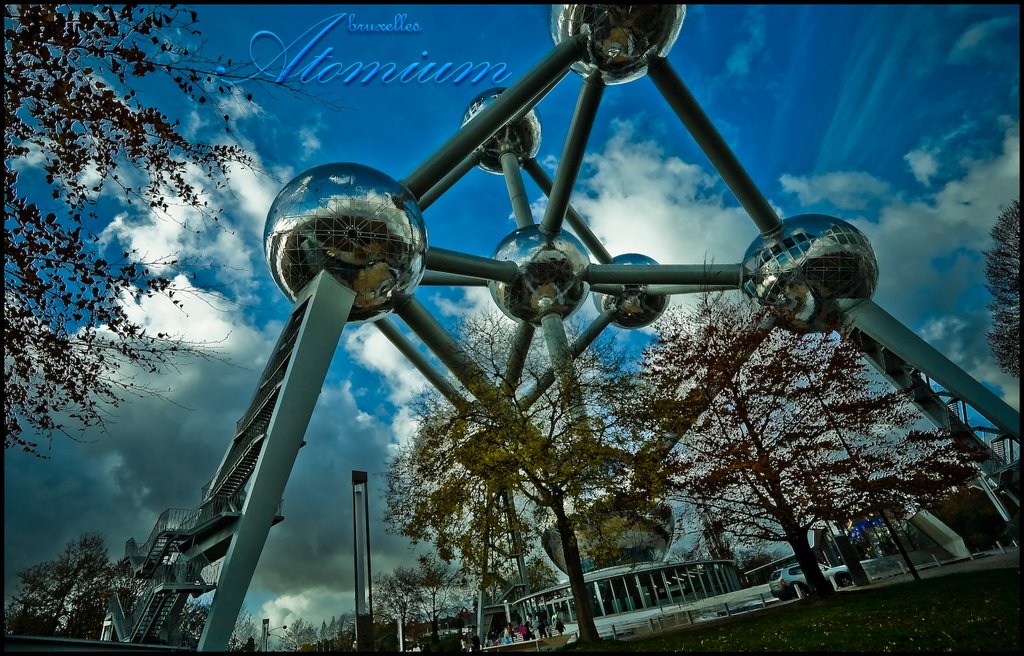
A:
{"x":356,"y":251}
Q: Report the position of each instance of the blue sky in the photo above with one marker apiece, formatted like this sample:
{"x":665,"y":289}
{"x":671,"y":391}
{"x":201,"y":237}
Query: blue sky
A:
{"x":903,"y":120}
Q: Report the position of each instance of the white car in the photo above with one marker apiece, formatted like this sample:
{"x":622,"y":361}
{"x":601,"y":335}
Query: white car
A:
{"x":789,"y":581}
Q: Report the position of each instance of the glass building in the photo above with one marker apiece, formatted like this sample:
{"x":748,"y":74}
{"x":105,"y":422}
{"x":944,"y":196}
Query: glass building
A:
{"x":628,"y":588}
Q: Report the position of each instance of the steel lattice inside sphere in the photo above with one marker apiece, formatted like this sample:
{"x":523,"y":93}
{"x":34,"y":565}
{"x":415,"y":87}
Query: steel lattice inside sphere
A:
{"x":550,"y":275}
{"x":633,"y":307}
{"x":521,"y":137}
{"x":620,"y":39}
{"x":354,"y":222}
{"x":638,"y":539}
{"x":802,"y":272}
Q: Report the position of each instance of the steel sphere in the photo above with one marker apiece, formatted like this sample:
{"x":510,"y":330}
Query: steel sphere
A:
{"x":550,"y":275}
{"x":802,"y":272}
{"x":521,"y":138}
{"x":633,"y":307}
{"x":642,"y":539}
{"x":620,"y":39}
{"x":358,"y":224}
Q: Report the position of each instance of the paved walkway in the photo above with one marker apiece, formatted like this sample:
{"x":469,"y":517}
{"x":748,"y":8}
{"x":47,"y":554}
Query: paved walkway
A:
{"x":1007,"y":558}
{"x":759,"y":597}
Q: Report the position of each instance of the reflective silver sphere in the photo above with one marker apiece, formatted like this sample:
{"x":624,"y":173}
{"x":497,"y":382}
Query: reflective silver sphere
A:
{"x":620,"y":38}
{"x":633,"y":307}
{"x":521,"y":137}
{"x":804,"y":270}
{"x":354,"y":222}
{"x":550,"y":275}
{"x":639,"y":540}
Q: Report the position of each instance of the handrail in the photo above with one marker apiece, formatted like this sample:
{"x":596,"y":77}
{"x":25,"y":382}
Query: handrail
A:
{"x":276,"y":366}
{"x":183,"y":520}
{"x":223,"y":475}
{"x":172,"y":518}
{"x":190,"y":572}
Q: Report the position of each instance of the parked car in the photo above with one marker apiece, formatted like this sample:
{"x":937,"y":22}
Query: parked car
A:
{"x":788,"y":582}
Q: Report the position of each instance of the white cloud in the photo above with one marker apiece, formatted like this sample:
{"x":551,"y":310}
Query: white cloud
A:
{"x":309,"y":140}
{"x":475,"y":300}
{"x":953,"y":222}
{"x":639,"y":200}
{"x":199,"y":318}
{"x":923,"y":165}
{"x":740,"y":59}
{"x":230,"y":247}
{"x":193,"y":124}
{"x":958,"y":341}
{"x":970,"y":44}
{"x":314,"y":606}
{"x":34,"y":158}
{"x":844,"y":189}
{"x":931,"y":262}
{"x":369,"y":347}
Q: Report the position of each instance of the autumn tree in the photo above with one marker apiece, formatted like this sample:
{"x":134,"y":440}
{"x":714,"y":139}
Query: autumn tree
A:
{"x":193,"y":618}
{"x":398,"y":597}
{"x":243,"y":632}
{"x":539,"y":573}
{"x":558,"y":456}
{"x":971,"y":515}
{"x":81,"y":144}
{"x":299,"y":635}
{"x":66,"y":597}
{"x":789,"y":432}
{"x":442,"y":590}
{"x":1002,"y":272}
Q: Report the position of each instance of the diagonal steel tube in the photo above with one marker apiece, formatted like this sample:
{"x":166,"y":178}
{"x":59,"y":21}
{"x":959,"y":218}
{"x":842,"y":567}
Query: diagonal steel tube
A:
{"x":558,"y":347}
{"x":437,"y":278}
{"x":527,"y":90}
{"x":667,"y":274}
{"x":517,"y":357}
{"x":707,"y":137}
{"x":661,"y":290}
{"x":440,"y":383}
{"x":516,"y":190}
{"x":668,"y":290}
{"x":447,"y":350}
{"x":521,"y":114}
{"x":575,"y":221}
{"x":572,"y":155}
{"x":585,"y":339}
{"x":448,"y":181}
{"x":446,"y":261}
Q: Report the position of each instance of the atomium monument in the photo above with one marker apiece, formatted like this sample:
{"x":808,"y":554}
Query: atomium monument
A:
{"x":346,"y":243}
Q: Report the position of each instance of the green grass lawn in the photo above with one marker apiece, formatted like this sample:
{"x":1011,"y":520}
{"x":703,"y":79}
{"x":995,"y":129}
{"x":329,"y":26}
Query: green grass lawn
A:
{"x":975,"y":611}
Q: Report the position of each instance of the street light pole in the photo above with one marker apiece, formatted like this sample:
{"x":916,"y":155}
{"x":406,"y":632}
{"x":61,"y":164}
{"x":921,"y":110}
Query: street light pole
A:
{"x":267,"y":632}
{"x":361,"y":535}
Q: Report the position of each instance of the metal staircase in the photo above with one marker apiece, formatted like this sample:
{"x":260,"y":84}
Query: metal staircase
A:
{"x":154,"y":616}
{"x":1000,"y":473}
{"x":185,"y":541}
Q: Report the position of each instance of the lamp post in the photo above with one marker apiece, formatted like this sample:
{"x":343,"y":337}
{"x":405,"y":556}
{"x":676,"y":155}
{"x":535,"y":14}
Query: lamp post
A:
{"x":279,"y":637}
{"x":361,"y":536}
{"x":267,"y":632}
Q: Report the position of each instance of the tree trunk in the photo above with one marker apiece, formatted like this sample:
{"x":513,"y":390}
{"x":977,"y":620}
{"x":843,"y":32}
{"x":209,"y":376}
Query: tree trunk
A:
{"x":817,"y":584}
{"x":899,"y":544}
{"x":574,"y":569}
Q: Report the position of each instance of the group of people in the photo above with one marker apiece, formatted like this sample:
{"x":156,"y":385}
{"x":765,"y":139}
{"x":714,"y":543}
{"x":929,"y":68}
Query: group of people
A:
{"x":524,"y":631}
{"x":471,"y":644}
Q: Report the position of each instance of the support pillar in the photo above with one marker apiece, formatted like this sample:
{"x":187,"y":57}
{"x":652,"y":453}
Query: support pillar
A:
{"x":328,"y":309}
{"x":944,"y":536}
